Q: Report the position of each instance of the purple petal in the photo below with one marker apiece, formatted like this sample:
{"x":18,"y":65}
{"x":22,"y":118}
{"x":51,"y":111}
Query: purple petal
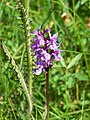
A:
{"x":38,"y":71}
{"x":57,"y":55}
{"x":54,"y":37}
{"x":53,"y":46}
{"x":47,"y":30}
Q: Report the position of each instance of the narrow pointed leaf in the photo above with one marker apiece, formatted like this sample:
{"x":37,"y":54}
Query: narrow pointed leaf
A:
{"x":63,"y":62}
{"x":74,"y":61}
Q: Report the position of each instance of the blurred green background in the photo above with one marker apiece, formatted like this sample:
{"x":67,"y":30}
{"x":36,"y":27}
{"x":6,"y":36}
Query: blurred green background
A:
{"x":69,"y":90}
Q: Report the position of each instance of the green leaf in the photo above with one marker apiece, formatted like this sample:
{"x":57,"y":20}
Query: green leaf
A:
{"x":81,"y":76}
{"x":63,"y":62}
{"x":71,"y":82}
{"x":74,"y":61}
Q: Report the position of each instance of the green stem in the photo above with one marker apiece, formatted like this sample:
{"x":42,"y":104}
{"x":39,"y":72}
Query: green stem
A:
{"x":28,"y":44}
{"x":47,"y":95}
{"x":73,"y":3}
{"x":67,"y":117}
{"x":77,"y":90}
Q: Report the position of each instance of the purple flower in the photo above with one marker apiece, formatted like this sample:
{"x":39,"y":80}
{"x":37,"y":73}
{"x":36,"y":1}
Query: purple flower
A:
{"x":46,"y":50}
{"x":57,"y":55}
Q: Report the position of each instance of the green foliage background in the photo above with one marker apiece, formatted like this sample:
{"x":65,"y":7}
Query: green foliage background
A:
{"x":69,"y":89}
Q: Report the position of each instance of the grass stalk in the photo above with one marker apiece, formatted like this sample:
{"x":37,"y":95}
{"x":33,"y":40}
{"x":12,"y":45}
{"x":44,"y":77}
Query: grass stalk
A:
{"x":84,"y":54}
{"x":77,"y":91}
{"x":19,"y":74}
{"x":73,"y":4}
{"x":67,"y":117}
{"x":28,"y":44}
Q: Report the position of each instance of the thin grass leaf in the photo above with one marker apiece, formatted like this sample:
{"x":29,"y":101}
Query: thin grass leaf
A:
{"x":56,"y":116}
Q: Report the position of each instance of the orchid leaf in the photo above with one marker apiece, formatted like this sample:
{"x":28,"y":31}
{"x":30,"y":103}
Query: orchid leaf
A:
{"x":74,"y":61}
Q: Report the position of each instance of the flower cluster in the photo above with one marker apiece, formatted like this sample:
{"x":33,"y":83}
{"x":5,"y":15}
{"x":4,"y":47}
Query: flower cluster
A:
{"x":45,"y":49}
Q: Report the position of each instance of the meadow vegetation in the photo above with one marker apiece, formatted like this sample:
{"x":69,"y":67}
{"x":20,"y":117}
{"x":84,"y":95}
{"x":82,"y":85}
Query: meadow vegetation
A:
{"x":69,"y":79}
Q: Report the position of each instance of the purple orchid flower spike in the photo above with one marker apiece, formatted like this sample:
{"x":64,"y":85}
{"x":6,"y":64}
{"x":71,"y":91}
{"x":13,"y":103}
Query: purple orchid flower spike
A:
{"x":46,"y":50}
